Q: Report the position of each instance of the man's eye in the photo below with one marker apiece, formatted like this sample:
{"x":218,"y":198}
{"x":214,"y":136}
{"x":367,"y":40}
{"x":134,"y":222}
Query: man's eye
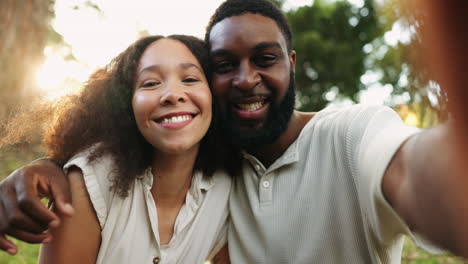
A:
{"x":223,"y":67}
{"x":265,"y":60}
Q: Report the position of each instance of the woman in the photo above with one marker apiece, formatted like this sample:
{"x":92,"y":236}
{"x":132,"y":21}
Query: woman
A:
{"x":142,"y":168}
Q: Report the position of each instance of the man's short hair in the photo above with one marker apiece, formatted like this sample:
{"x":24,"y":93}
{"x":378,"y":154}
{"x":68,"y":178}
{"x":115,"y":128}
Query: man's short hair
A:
{"x":262,"y":7}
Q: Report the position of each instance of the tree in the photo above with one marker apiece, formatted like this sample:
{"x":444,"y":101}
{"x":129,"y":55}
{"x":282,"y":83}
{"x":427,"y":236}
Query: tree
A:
{"x":24,"y":34}
{"x":338,"y":43}
{"x":426,"y":98}
{"x":329,"y":38}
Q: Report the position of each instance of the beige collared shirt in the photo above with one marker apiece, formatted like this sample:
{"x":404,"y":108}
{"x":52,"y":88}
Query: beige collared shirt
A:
{"x":322,"y":201}
{"x":130,"y":225}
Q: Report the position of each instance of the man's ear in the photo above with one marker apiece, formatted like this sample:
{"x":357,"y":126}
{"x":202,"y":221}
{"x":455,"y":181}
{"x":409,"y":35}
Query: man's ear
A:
{"x":292,"y":60}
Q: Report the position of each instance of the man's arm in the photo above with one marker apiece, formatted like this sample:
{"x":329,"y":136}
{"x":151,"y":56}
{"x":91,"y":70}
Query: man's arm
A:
{"x":222,"y":257}
{"x":78,"y":238}
{"x":427,"y":181}
{"x":427,"y":186}
{"x":22,"y":214}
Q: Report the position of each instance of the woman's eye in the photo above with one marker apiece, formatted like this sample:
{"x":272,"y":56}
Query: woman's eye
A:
{"x":190,"y":80}
{"x":150,"y":84}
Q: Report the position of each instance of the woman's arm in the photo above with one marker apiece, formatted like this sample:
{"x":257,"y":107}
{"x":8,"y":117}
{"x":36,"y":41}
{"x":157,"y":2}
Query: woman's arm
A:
{"x":78,"y":238}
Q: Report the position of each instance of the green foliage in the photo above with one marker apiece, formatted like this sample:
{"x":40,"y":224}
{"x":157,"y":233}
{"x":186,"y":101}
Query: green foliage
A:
{"x":405,"y":59}
{"x":337,"y":43}
{"x":413,"y":255}
{"x":13,"y":157}
{"x":329,"y":39}
{"x":27,"y":254}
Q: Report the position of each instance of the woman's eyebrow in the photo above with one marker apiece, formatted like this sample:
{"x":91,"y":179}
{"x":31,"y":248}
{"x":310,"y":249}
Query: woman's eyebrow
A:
{"x":151,"y":68}
{"x":157,"y":67}
{"x":188,"y":65}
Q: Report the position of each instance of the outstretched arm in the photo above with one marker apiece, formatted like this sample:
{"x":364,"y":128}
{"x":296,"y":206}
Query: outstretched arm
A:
{"x":22,"y":214}
{"x":427,"y":181}
{"x":427,"y":186}
{"x":78,"y":238}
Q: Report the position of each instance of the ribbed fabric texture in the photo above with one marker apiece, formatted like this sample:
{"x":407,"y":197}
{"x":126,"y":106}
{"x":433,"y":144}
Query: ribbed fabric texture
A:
{"x":130,"y":225}
{"x":321,"y":201}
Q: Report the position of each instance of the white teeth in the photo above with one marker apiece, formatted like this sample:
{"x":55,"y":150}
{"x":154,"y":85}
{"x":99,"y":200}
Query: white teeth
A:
{"x":176,"y":119}
{"x":251,"y":107}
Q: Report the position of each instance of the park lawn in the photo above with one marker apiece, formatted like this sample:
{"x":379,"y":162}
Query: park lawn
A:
{"x":411,"y":255}
{"x":27,"y":254}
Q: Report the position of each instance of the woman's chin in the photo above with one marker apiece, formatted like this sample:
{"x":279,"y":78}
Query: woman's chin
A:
{"x":177,"y":149}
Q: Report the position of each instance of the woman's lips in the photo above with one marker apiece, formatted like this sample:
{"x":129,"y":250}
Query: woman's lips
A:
{"x":175,"y":120}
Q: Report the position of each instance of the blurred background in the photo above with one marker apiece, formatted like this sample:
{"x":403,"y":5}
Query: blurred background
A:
{"x":355,"y":51}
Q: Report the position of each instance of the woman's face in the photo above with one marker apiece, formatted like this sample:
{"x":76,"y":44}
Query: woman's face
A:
{"x":171,"y":100}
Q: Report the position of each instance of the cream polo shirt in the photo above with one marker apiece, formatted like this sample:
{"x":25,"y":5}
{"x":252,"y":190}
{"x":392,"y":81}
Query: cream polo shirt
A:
{"x":321,"y":201}
{"x":129,"y":226}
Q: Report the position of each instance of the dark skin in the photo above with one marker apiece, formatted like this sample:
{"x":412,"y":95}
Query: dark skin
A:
{"x":425,"y":181}
{"x":22,"y":196}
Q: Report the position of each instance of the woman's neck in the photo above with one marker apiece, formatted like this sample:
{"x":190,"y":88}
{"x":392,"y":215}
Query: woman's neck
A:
{"x":172,"y":177}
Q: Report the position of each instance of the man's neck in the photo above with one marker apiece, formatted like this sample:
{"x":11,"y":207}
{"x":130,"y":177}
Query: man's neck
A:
{"x":270,"y":153}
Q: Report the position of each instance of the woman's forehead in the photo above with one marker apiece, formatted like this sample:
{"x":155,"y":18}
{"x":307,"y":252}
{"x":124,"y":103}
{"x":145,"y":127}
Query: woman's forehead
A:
{"x":167,"y":52}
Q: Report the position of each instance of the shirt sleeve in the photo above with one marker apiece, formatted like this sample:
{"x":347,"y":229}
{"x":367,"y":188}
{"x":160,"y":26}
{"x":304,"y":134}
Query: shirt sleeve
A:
{"x":97,"y":179}
{"x":374,"y":136}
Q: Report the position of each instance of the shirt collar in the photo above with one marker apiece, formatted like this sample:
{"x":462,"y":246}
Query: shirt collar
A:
{"x":291,"y":155}
{"x":199,"y":181}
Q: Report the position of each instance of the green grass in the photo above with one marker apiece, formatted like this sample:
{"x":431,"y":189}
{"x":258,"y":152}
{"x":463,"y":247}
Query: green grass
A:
{"x":14,"y":157}
{"x":27,"y":254}
{"x":411,"y":255}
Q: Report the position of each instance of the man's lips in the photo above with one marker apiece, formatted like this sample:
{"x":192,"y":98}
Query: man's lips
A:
{"x":250,"y":108}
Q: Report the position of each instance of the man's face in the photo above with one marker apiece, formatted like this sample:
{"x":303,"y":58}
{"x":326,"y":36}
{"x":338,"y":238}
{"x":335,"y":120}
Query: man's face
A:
{"x":253,"y":78}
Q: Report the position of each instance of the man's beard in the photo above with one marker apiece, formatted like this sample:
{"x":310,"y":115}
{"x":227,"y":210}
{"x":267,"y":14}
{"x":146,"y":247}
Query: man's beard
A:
{"x":274,"y":126}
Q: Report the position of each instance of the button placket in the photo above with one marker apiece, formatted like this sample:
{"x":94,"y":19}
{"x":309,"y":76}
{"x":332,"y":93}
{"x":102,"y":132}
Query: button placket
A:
{"x":266,"y":189}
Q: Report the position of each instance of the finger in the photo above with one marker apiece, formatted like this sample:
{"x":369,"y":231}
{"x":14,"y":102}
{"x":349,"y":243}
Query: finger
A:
{"x":13,"y":216}
{"x":7,"y":245}
{"x":29,"y":237}
{"x":30,"y":204}
{"x":28,"y":224}
{"x":60,"y":189}
{"x":17,"y":218}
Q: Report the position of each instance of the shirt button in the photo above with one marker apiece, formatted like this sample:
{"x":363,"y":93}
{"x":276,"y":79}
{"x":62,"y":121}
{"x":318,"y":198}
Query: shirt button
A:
{"x":156,"y":260}
{"x":266,"y":184}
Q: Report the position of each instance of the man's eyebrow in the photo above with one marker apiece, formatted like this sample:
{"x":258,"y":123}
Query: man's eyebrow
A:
{"x":220,"y":52}
{"x":266,"y":45}
{"x":258,"y":47}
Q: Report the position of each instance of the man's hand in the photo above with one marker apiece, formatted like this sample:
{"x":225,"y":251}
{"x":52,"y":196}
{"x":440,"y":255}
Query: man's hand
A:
{"x":22,"y":214}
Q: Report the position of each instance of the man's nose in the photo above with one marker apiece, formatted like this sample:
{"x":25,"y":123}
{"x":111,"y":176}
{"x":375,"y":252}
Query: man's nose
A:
{"x":247,"y":77}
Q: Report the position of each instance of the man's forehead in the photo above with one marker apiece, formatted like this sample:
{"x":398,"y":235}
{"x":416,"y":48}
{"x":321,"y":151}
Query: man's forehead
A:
{"x":246,"y":28}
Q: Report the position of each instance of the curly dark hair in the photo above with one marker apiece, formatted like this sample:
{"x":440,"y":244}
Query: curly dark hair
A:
{"x":262,"y":7}
{"x":102,"y":113}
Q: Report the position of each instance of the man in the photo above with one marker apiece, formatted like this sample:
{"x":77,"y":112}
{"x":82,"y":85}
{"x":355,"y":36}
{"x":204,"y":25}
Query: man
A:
{"x":339,"y":186}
